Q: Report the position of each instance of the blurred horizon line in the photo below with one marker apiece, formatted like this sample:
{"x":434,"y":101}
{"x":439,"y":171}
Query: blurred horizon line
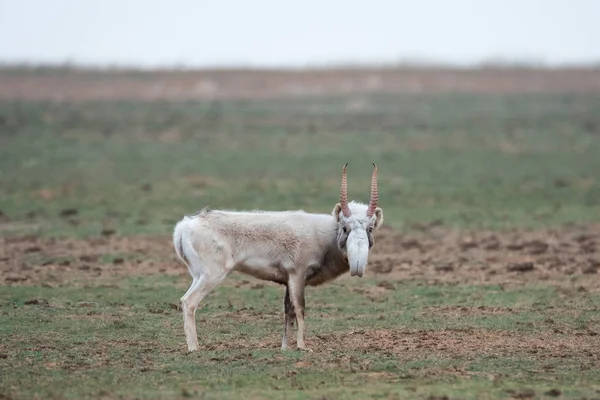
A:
{"x":421,"y":63}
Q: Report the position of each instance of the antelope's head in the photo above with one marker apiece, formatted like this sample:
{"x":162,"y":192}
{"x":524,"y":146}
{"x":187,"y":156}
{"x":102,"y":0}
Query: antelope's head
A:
{"x":355,"y":225}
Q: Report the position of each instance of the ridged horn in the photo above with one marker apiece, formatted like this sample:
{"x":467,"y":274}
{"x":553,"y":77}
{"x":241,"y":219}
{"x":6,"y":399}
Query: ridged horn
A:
{"x":344,"y":194}
{"x":374,"y":193}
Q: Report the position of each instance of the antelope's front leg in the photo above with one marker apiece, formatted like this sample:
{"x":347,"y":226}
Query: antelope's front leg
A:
{"x":296,"y":288}
{"x":290,"y":316}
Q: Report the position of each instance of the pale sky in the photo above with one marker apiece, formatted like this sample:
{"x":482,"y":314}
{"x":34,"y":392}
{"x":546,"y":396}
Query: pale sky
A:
{"x":277,"y":33}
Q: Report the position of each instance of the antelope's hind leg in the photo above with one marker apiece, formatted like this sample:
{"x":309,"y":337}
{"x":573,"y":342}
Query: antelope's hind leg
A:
{"x":207,"y":274}
{"x":189,"y":314}
{"x":190,"y":301}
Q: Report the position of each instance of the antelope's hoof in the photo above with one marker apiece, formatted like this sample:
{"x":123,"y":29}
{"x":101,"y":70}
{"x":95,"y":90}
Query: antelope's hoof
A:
{"x":305,"y":349}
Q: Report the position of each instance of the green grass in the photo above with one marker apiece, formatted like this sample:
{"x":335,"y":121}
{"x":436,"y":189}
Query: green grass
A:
{"x":126,"y":339}
{"x":469,"y":160}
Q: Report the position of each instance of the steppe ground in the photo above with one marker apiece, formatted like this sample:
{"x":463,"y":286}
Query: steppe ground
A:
{"x":483,"y":282}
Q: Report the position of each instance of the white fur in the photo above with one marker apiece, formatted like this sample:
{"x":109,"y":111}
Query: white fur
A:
{"x":293,"y":248}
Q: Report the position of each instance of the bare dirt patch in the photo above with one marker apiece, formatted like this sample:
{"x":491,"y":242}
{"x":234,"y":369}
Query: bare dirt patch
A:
{"x":461,"y":311}
{"x":432,"y":252}
{"x":50,"y":261}
{"x":462,"y":343}
{"x":408,"y":344}
{"x":435,"y":253}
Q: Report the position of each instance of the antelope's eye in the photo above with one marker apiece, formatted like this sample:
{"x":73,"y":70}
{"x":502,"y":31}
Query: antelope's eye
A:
{"x":345,"y":229}
{"x":370,"y":229}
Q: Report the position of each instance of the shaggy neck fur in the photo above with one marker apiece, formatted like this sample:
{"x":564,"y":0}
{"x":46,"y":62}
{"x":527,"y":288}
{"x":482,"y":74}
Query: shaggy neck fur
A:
{"x":334,"y":262}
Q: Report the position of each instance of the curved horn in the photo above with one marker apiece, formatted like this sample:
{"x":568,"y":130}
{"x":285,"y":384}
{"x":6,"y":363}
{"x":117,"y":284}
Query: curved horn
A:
{"x":374,"y":194}
{"x":344,"y":194}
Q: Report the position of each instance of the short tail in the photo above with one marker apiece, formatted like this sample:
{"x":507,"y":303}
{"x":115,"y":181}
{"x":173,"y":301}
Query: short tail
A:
{"x":178,"y":234}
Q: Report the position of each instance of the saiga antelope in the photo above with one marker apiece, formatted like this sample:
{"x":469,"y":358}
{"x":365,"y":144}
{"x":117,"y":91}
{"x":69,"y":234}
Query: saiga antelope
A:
{"x":292,"y":248}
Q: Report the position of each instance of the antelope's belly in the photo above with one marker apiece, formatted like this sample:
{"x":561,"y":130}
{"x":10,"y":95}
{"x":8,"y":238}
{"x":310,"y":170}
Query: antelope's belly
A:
{"x":262,"y":268}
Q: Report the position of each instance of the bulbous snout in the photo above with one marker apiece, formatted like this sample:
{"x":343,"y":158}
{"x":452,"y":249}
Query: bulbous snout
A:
{"x":357,"y":250}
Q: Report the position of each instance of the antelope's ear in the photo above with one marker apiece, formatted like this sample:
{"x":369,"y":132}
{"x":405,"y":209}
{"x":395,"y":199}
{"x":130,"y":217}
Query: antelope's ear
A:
{"x":378,"y":218}
{"x":336,"y":211}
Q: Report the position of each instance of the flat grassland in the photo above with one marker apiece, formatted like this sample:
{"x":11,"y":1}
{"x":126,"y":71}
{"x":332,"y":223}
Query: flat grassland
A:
{"x":483,"y":283}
